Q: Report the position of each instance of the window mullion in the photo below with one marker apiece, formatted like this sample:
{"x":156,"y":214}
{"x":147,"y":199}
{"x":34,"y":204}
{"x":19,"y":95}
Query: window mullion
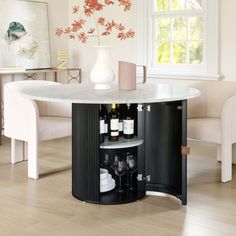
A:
{"x":171,"y":39}
{"x":177,"y":13}
{"x":187,"y":43}
{"x":155,"y":40}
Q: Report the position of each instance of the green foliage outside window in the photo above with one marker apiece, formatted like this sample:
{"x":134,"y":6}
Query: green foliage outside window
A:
{"x":164,"y":53}
{"x":183,"y":36}
{"x":162,"y":5}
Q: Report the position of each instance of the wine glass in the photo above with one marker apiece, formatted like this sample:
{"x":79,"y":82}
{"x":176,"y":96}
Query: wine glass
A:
{"x":106,"y":161}
{"x":128,"y":156}
{"x":115,"y":163}
{"x":120,"y":171}
{"x":132,"y":168}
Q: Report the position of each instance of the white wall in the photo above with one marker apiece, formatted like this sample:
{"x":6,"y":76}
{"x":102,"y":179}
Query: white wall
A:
{"x":58,"y":12}
{"x":228,"y":39}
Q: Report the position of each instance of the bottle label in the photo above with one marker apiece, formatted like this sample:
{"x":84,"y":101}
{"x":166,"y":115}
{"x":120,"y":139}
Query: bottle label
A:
{"x":114,"y":133}
{"x":120,"y":126}
{"x":128,"y":126}
{"x":106,"y":128}
{"x":114,"y":124}
{"x":102,"y":127}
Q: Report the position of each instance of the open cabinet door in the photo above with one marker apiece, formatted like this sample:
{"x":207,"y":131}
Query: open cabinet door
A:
{"x":165,"y":135}
{"x":141,"y":175}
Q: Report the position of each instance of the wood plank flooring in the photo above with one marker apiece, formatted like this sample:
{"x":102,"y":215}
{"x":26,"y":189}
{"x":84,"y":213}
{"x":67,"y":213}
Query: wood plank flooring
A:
{"x":47,"y":208}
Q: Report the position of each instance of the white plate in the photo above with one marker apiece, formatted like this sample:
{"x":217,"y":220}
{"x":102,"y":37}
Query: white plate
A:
{"x":106,"y":180}
{"x":103,"y":173}
{"x":109,"y":187}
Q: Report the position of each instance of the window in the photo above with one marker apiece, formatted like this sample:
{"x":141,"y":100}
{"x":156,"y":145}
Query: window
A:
{"x":182,"y":38}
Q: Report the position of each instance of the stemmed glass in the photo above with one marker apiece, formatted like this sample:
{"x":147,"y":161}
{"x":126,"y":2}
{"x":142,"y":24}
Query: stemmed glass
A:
{"x":128,"y":156}
{"x":132,"y":165}
{"x":120,"y":171}
{"x":115,"y":163}
{"x":106,"y":162}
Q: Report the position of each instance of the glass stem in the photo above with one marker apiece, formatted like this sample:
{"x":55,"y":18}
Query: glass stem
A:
{"x":120,"y":183}
{"x":127,"y":179}
{"x":131,"y":180}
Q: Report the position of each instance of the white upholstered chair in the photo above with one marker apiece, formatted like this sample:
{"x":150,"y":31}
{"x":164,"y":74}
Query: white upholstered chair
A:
{"x":212,"y":118}
{"x":28,"y":122}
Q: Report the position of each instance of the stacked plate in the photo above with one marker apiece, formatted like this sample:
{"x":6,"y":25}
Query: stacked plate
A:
{"x":107,"y":183}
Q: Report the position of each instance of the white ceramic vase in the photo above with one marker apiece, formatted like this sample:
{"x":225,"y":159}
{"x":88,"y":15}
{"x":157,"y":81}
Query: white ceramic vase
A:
{"x":102,"y":74}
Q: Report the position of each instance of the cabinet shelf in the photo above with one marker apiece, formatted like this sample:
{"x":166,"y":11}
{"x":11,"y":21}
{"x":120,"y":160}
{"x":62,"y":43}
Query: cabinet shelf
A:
{"x":122,"y":143}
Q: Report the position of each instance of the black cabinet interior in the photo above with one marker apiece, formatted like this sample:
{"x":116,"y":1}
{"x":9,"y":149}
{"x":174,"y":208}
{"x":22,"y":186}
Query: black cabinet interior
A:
{"x":127,"y":195}
{"x":162,"y":126}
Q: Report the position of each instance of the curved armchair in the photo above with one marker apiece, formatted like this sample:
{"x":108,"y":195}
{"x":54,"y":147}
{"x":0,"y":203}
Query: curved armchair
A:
{"x":28,"y":121}
{"x":212,"y":118}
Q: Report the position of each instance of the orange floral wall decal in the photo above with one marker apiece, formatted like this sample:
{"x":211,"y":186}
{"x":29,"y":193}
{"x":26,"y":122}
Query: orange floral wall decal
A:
{"x":102,"y":26}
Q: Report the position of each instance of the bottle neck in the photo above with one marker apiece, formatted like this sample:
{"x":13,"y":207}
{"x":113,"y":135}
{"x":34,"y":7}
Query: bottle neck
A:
{"x":113,"y":106}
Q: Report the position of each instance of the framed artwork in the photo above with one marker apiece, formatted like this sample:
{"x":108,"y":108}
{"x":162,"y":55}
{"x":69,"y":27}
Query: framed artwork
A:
{"x":24,"y":35}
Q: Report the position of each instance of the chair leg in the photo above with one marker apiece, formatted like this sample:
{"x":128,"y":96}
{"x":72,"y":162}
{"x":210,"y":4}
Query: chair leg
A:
{"x":17,"y":151}
{"x":226,"y":168}
{"x":26,"y":151}
{"x":219,"y":153}
{"x":33,"y":160}
{"x":234,"y":153}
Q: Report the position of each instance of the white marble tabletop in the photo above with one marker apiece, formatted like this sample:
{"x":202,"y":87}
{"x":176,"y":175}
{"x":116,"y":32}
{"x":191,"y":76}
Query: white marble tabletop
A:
{"x":85,"y":93}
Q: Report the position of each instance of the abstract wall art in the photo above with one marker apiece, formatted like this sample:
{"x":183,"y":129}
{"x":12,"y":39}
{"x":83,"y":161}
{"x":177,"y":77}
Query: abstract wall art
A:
{"x":24,"y":35}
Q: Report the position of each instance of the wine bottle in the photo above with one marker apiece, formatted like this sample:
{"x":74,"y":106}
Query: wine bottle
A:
{"x":120,"y":111}
{"x":105,"y":115}
{"x":128,"y":124}
{"x":102,"y":125}
{"x":113,"y":118}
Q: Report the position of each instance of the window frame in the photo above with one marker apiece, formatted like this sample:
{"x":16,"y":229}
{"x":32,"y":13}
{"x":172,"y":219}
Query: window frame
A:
{"x":145,"y":42}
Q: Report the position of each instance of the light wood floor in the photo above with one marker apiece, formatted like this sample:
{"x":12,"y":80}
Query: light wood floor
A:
{"x":46,"y":207}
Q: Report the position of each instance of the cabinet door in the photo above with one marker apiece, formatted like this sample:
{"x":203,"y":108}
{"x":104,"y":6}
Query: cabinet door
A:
{"x":141,"y":120}
{"x":165,"y":134}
